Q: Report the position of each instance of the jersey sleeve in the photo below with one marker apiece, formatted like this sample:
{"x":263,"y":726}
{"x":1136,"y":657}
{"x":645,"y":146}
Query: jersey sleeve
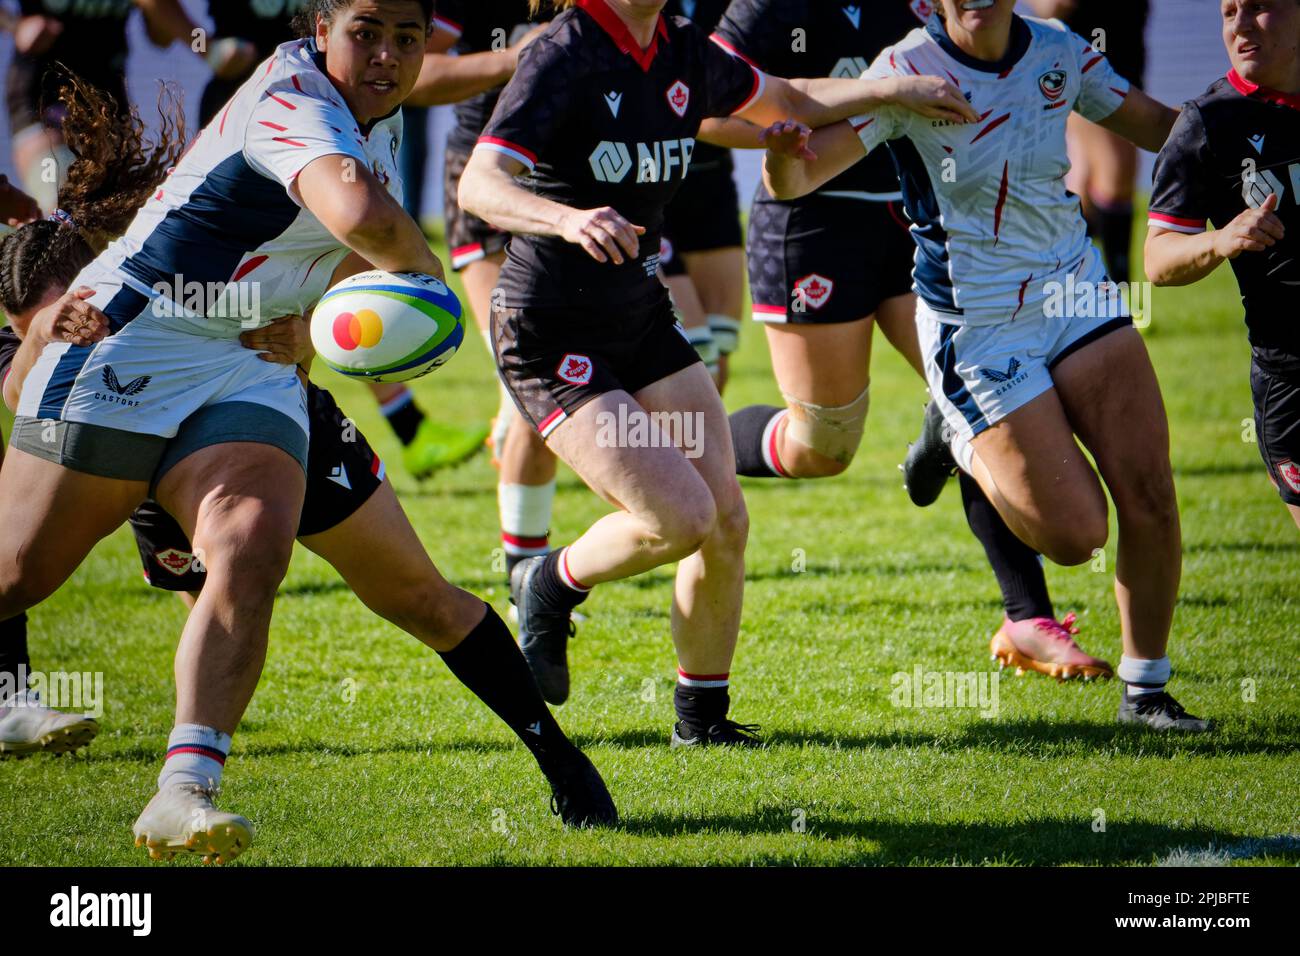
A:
{"x":1178,"y":197}
{"x":1102,"y":91}
{"x":532,"y":109}
{"x":887,"y":122}
{"x":759,"y":32}
{"x":731,"y":83}
{"x":297,"y":122}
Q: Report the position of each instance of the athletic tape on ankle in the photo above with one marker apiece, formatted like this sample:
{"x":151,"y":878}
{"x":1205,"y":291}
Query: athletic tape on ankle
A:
{"x":834,"y":432}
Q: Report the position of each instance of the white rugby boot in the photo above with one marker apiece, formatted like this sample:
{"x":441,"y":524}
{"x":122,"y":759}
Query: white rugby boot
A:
{"x":28,"y":727}
{"x":181,"y":818}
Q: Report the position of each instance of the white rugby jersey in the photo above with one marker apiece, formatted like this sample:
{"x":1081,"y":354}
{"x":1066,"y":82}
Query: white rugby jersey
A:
{"x":991,"y":216}
{"x":227,"y":217}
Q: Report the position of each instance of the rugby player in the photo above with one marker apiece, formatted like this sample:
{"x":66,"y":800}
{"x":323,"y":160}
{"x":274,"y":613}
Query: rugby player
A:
{"x":602,"y":114}
{"x":1233,"y":161}
{"x":1018,"y":371}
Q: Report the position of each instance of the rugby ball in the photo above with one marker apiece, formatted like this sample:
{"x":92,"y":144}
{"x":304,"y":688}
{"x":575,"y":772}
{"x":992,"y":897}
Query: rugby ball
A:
{"x":387,"y":326}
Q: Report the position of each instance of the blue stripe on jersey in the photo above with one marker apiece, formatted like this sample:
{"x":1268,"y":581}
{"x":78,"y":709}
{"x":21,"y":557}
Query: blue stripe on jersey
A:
{"x":59,"y":386}
{"x":125,"y":305}
{"x":933,"y":283}
{"x":233,"y":211}
{"x":954,"y":389}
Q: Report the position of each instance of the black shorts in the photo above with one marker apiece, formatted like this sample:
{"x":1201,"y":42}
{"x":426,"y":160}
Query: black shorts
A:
{"x":1123,"y":39}
{"x":343,"y":471}
{"x":705,"y":213}
{"x":468,"y":237}
{"x":554,"y":361}
{"x":824,"y":260}
{"x":1277,"y":427}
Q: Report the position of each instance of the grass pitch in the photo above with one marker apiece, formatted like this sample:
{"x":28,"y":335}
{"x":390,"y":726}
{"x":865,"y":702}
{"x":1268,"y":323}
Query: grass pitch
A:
{"x":361,"y":748}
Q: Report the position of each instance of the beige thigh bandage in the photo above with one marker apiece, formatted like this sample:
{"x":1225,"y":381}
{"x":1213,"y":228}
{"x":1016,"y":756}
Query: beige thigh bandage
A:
{"x":832,"y":432}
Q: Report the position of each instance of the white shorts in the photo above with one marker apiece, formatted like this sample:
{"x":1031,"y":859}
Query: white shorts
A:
{"x":110,"y":409}
{"x":980,"y":374}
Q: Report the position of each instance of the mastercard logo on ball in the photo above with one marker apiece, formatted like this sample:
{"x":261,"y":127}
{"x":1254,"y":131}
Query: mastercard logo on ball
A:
{"x":387,"y":327}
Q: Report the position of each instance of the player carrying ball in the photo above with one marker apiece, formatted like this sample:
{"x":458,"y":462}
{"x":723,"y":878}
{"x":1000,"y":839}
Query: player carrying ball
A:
{"x":1017,"y":369}
{"x":602,"y":114}
{"x":1234,"y":159}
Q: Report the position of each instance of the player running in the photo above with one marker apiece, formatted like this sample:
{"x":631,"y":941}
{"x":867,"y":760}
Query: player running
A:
{"x":294,"y":172}
{"x":825,"y":270}
{"x":1017,"y":370}
{"x":603,"y":114}
{"x":1234,"y":160}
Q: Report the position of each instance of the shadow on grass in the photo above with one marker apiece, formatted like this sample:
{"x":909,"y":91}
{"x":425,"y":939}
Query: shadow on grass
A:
{"x":1044,"y":841}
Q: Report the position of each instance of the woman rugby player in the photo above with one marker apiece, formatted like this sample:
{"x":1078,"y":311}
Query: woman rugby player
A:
{"x":825,"y":270}
{"x":603,"y":112}
{"x":290,"y":176}
{"x":1017,"y":371}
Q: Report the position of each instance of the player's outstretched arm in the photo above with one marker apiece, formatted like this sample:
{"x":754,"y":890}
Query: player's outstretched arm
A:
{"x":1143,"y":121}
{"x":358,"y":211}
{"x":1173,"y":258}
{"x":488,"y":190}
{"x":448,"y":79}
{"x":800,"y":160}
{"x":823,"y":101}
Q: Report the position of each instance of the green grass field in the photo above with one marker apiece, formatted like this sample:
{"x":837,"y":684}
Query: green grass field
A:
{"x":361,"y":748}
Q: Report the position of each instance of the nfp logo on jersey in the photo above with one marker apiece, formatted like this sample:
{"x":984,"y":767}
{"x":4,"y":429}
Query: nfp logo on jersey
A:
{"x":655,"y":162}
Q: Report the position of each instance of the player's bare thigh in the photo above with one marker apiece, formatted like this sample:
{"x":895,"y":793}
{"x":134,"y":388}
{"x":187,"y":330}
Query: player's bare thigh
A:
{"x":480,"y":278}
{"x":719,"y":277}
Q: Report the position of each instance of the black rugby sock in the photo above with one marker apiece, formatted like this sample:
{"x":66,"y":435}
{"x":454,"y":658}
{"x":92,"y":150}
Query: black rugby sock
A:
{"x":1115,"y":227}
{"x":748,"y":428}
{"x":403,"y":416}
{"x":1016,"y":565}
{"x":701,"y":707}
{"x":489,"y":663}
{"x":13,"y":653}
{"x":551,"y":586}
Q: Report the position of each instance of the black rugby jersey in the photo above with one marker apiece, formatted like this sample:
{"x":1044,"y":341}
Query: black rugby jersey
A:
{"x":1231,"y":147}
{"x":813,"y":38}
{"x":264,"y":23}
{"x":480,"y":26}
{"x":599,"y":122}
{"x":92,"y":43}
{"x":9,"y":342}
{"x":705,"y":14}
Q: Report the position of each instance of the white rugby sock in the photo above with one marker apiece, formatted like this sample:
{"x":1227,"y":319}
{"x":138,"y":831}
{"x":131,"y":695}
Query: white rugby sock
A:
{"x":1141,"y":676}
{"x":525,"y":512}
{"x":195,"y":754}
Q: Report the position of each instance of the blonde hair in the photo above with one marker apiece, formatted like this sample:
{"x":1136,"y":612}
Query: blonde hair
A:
{"x":535,"y":6}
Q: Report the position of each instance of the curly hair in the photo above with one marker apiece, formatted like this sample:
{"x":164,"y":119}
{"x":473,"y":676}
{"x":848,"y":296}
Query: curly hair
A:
{"x":304,"y":24}
{"x":114,"y":172}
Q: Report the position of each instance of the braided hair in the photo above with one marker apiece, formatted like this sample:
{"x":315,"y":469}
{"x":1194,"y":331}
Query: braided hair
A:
{"x":305,"y":22}
{"x":114,"y":173}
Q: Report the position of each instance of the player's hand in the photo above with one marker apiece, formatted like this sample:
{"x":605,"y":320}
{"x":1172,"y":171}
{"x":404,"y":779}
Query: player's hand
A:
{"x":36,"y":34}
{"x":933,"y":97}
{"x":286,"y":341}
{"x":70,"y":319}
{"x":231,"y":58}
{"x":603,"y":233}
{"x":16,"y":207}
{"x":788,"y":138}
{"x":1252,"y":231}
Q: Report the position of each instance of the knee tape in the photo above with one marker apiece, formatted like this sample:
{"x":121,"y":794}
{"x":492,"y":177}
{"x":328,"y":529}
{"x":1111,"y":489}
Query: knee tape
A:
{"x":833,"y":432}
{"x":726,"y":332}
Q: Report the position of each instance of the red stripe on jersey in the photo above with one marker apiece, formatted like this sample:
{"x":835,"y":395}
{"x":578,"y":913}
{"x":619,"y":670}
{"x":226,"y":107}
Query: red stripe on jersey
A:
{"x":732,"y":50}
{"x":754,"y":91}
{"x":312,"y":266}
{"x":991,"y":127}
{"x":859,"y":129}
{"x":1055,"y":106}
{"x":1023,"y":286}
{"x":224,"y":113}
{"x":955,"y":82}
{"x":611,"y":23}
{"x":1123,"y":93}
{"x":1091,"y":63}
{"x":248,"y":267}
{"x":296,"y":85}
{"x":447,"y":25}
{"x":1002,"y":202}
{"x":1177,"y":221}
{"x":549,"y":419}
{"x":285,"y":139}
{"x":275,"y":126}
{"x":496,"y":141}
{"x":285,"y":103}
